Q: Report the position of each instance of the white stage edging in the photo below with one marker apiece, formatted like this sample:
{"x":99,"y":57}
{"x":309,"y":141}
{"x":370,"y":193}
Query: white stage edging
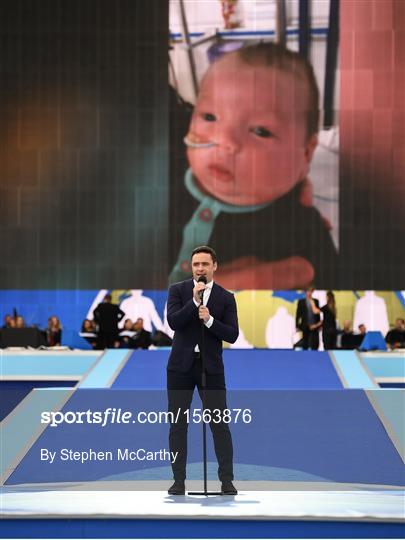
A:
{"x":386,"y":506}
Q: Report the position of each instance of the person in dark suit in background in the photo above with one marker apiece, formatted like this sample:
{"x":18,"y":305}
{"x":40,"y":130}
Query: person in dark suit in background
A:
{"x":142,"y":338}
{"x":329,"y":333}
{"x":107,"y":316}
{"x":395,"y":338}
{"x":308,"y":320}
{"x":126,"y":333}
{"x":160,"y":339}
{"x":358,"y":338}
{"x":190,"y":303}
{"x":347,"y":336}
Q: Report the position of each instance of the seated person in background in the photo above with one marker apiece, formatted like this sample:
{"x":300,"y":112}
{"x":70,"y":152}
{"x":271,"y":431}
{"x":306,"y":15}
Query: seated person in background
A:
{"x":19,"y":322}
{"x":126,"y":334}
{"x":54,"y":332}
{"x":160,"y":339}
{"x":128,"y":326}
{"x":346,"y":337}
{"x":142,"y":338}
{"x":358,"y":338}
{"x":9,"y":322}
{"x":89,"y":328}
{"x":395,"y":338}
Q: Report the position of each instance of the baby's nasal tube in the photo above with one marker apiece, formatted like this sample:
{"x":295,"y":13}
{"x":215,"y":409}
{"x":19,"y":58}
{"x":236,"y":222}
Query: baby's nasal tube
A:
{"x":194,"y":141}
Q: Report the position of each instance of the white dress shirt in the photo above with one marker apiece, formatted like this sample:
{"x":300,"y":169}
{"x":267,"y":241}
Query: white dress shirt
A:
{"x":206,"y":295}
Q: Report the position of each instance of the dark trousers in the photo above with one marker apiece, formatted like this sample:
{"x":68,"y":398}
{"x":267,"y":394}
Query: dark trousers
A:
{"x":329,"y":339}
{"x":106,"y":340}
{"x":180,"y":389}
{"x":310,"y":339}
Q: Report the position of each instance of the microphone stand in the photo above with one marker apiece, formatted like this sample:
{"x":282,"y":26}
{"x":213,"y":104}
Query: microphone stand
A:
{"x":206,"y":493}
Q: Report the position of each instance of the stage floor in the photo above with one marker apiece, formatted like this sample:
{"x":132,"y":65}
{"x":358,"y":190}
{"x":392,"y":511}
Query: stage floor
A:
{"x":124,"y":500}
{"x":353,"y":432}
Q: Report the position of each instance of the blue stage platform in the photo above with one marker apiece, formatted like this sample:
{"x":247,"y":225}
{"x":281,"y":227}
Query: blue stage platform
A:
{"x":320,"y":423}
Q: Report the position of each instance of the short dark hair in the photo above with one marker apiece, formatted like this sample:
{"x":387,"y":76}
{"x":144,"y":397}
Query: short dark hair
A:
{"x":277,"y":56}
{"x":205,"y":249}
{"x":107,"y":297}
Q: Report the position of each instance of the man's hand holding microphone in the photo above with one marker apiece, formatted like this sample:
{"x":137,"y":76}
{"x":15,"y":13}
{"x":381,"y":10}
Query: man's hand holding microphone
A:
{"x":198,"y":293}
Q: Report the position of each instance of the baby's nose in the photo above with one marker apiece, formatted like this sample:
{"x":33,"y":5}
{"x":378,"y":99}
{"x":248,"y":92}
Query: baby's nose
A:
{"x":228,"y":139}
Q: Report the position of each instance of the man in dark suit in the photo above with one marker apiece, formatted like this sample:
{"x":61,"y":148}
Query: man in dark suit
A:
{"x":107,"y":316}
{"x":188,"y":316}
{"x":308,"y":320}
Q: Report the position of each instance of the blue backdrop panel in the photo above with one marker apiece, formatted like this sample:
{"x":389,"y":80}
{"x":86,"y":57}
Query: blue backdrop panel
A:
{"x":70,"y":306}
{"x":330,"y":435}
{"x":36,"y":306}
{"x":245,"y":369}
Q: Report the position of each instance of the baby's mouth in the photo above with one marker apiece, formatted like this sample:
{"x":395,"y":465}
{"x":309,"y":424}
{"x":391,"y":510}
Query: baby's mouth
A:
{"x":220,"y":172}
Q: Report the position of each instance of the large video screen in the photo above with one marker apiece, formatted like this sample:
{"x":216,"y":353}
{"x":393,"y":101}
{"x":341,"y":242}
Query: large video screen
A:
{"x":133,"y":131}
{"x":288,"y":196}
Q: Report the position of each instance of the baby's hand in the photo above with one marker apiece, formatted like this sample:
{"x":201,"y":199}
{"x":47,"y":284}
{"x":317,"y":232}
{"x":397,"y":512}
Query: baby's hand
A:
{"x":306,"y":199}
{"x":251,"y":273}
{"x":306,"y":193}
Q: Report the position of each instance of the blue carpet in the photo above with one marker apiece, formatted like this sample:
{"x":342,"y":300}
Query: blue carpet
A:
{"x":334,"y":435}
{"x":245,"y":369}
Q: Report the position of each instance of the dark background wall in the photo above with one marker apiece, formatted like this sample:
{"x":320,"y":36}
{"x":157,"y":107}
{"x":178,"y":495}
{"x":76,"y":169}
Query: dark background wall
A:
{"x":83,"y":143}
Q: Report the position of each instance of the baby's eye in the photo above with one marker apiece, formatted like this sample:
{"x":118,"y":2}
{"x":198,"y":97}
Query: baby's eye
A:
{"x":261,"y":131}
{"x":209,"y":117}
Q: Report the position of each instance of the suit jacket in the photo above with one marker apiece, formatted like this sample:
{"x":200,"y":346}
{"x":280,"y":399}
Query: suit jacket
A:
{"x":301,"y":318}
{"x":107,"y":316}
{"x":182,"y":316}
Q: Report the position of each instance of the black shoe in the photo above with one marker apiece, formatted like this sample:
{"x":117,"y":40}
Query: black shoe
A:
{"x":227,"y":488}
{"x":178,"y":488}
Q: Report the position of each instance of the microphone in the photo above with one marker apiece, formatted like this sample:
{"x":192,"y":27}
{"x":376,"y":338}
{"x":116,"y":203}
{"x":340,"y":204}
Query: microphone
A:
{"x":201,"y":279}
